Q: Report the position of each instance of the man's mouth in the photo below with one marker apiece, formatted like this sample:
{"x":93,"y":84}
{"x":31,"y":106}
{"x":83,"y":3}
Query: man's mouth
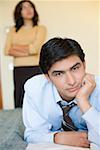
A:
{"x":74,"y":89}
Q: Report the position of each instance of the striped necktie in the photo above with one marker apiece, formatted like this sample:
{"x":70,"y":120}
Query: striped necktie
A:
{"x":67,"y":123}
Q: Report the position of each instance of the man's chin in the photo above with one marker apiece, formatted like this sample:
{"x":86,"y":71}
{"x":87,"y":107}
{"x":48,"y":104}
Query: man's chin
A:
{"x":72,"y":96}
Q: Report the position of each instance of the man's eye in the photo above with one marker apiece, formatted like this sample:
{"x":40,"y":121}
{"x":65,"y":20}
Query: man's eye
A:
{"x":75,"y":68}
{"x":58,"y":74}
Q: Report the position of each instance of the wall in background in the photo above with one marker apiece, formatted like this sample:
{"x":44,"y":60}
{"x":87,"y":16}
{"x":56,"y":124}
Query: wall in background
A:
{"x":75,"y":19}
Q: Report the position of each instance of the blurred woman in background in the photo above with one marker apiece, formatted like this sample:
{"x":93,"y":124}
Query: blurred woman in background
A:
{"x":23,"y":43}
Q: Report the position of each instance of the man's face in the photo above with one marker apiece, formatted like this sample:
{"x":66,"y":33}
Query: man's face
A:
{"x":67,"y":76}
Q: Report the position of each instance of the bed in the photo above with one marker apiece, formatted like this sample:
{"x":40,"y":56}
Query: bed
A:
{"x":11,"y":130}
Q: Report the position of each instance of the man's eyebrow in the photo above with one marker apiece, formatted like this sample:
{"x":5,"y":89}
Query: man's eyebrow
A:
{"x":78,"y":63}
{"x":61,"y":71}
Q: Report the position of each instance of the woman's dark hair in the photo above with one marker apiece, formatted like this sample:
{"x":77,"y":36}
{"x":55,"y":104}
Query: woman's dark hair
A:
{"x":57,"y":49}
{"x":19,"y":22}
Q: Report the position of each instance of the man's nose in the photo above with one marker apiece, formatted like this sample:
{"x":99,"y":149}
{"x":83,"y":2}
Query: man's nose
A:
{"x":70,"y":79}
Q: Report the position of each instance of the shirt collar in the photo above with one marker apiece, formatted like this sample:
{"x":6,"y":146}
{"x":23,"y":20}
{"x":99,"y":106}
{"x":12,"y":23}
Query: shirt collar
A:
{"x":56,"y":94}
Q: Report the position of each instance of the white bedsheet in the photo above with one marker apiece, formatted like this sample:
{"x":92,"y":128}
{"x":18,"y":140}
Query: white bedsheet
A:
{"x":52,"y":147}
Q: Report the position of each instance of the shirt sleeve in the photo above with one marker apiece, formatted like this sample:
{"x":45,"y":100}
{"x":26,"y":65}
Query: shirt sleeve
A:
{"x":8,"y":41}
{"x":38,"y":129}
{"x":35,"y":47}
{"x":92,"y":118}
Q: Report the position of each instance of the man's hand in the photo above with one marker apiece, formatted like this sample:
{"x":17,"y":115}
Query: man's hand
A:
{"x":88,"y":85}
{"x":71,"y":138}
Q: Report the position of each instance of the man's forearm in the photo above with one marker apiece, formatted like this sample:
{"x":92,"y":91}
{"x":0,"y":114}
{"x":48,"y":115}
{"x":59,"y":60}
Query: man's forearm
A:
{"x":72,"y":138}
{"x":83,"y":104}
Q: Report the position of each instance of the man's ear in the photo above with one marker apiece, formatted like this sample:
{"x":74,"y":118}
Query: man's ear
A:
{"x":47,"y":76}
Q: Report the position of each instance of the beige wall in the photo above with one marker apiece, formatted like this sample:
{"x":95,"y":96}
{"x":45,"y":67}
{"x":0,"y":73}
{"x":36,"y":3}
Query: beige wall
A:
{"x":99,"y":38}
{"x":75,"y":19}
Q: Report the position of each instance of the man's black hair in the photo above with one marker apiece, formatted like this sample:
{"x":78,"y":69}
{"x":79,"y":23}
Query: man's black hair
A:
{"x":57,"y":49}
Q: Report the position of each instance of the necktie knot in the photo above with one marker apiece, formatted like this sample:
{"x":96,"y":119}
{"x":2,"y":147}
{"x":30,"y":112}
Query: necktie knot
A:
{"x":67,"y":108}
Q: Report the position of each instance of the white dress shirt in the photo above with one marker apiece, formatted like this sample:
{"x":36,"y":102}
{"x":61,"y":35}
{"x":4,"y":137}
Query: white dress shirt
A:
{"x":42,"y":116}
